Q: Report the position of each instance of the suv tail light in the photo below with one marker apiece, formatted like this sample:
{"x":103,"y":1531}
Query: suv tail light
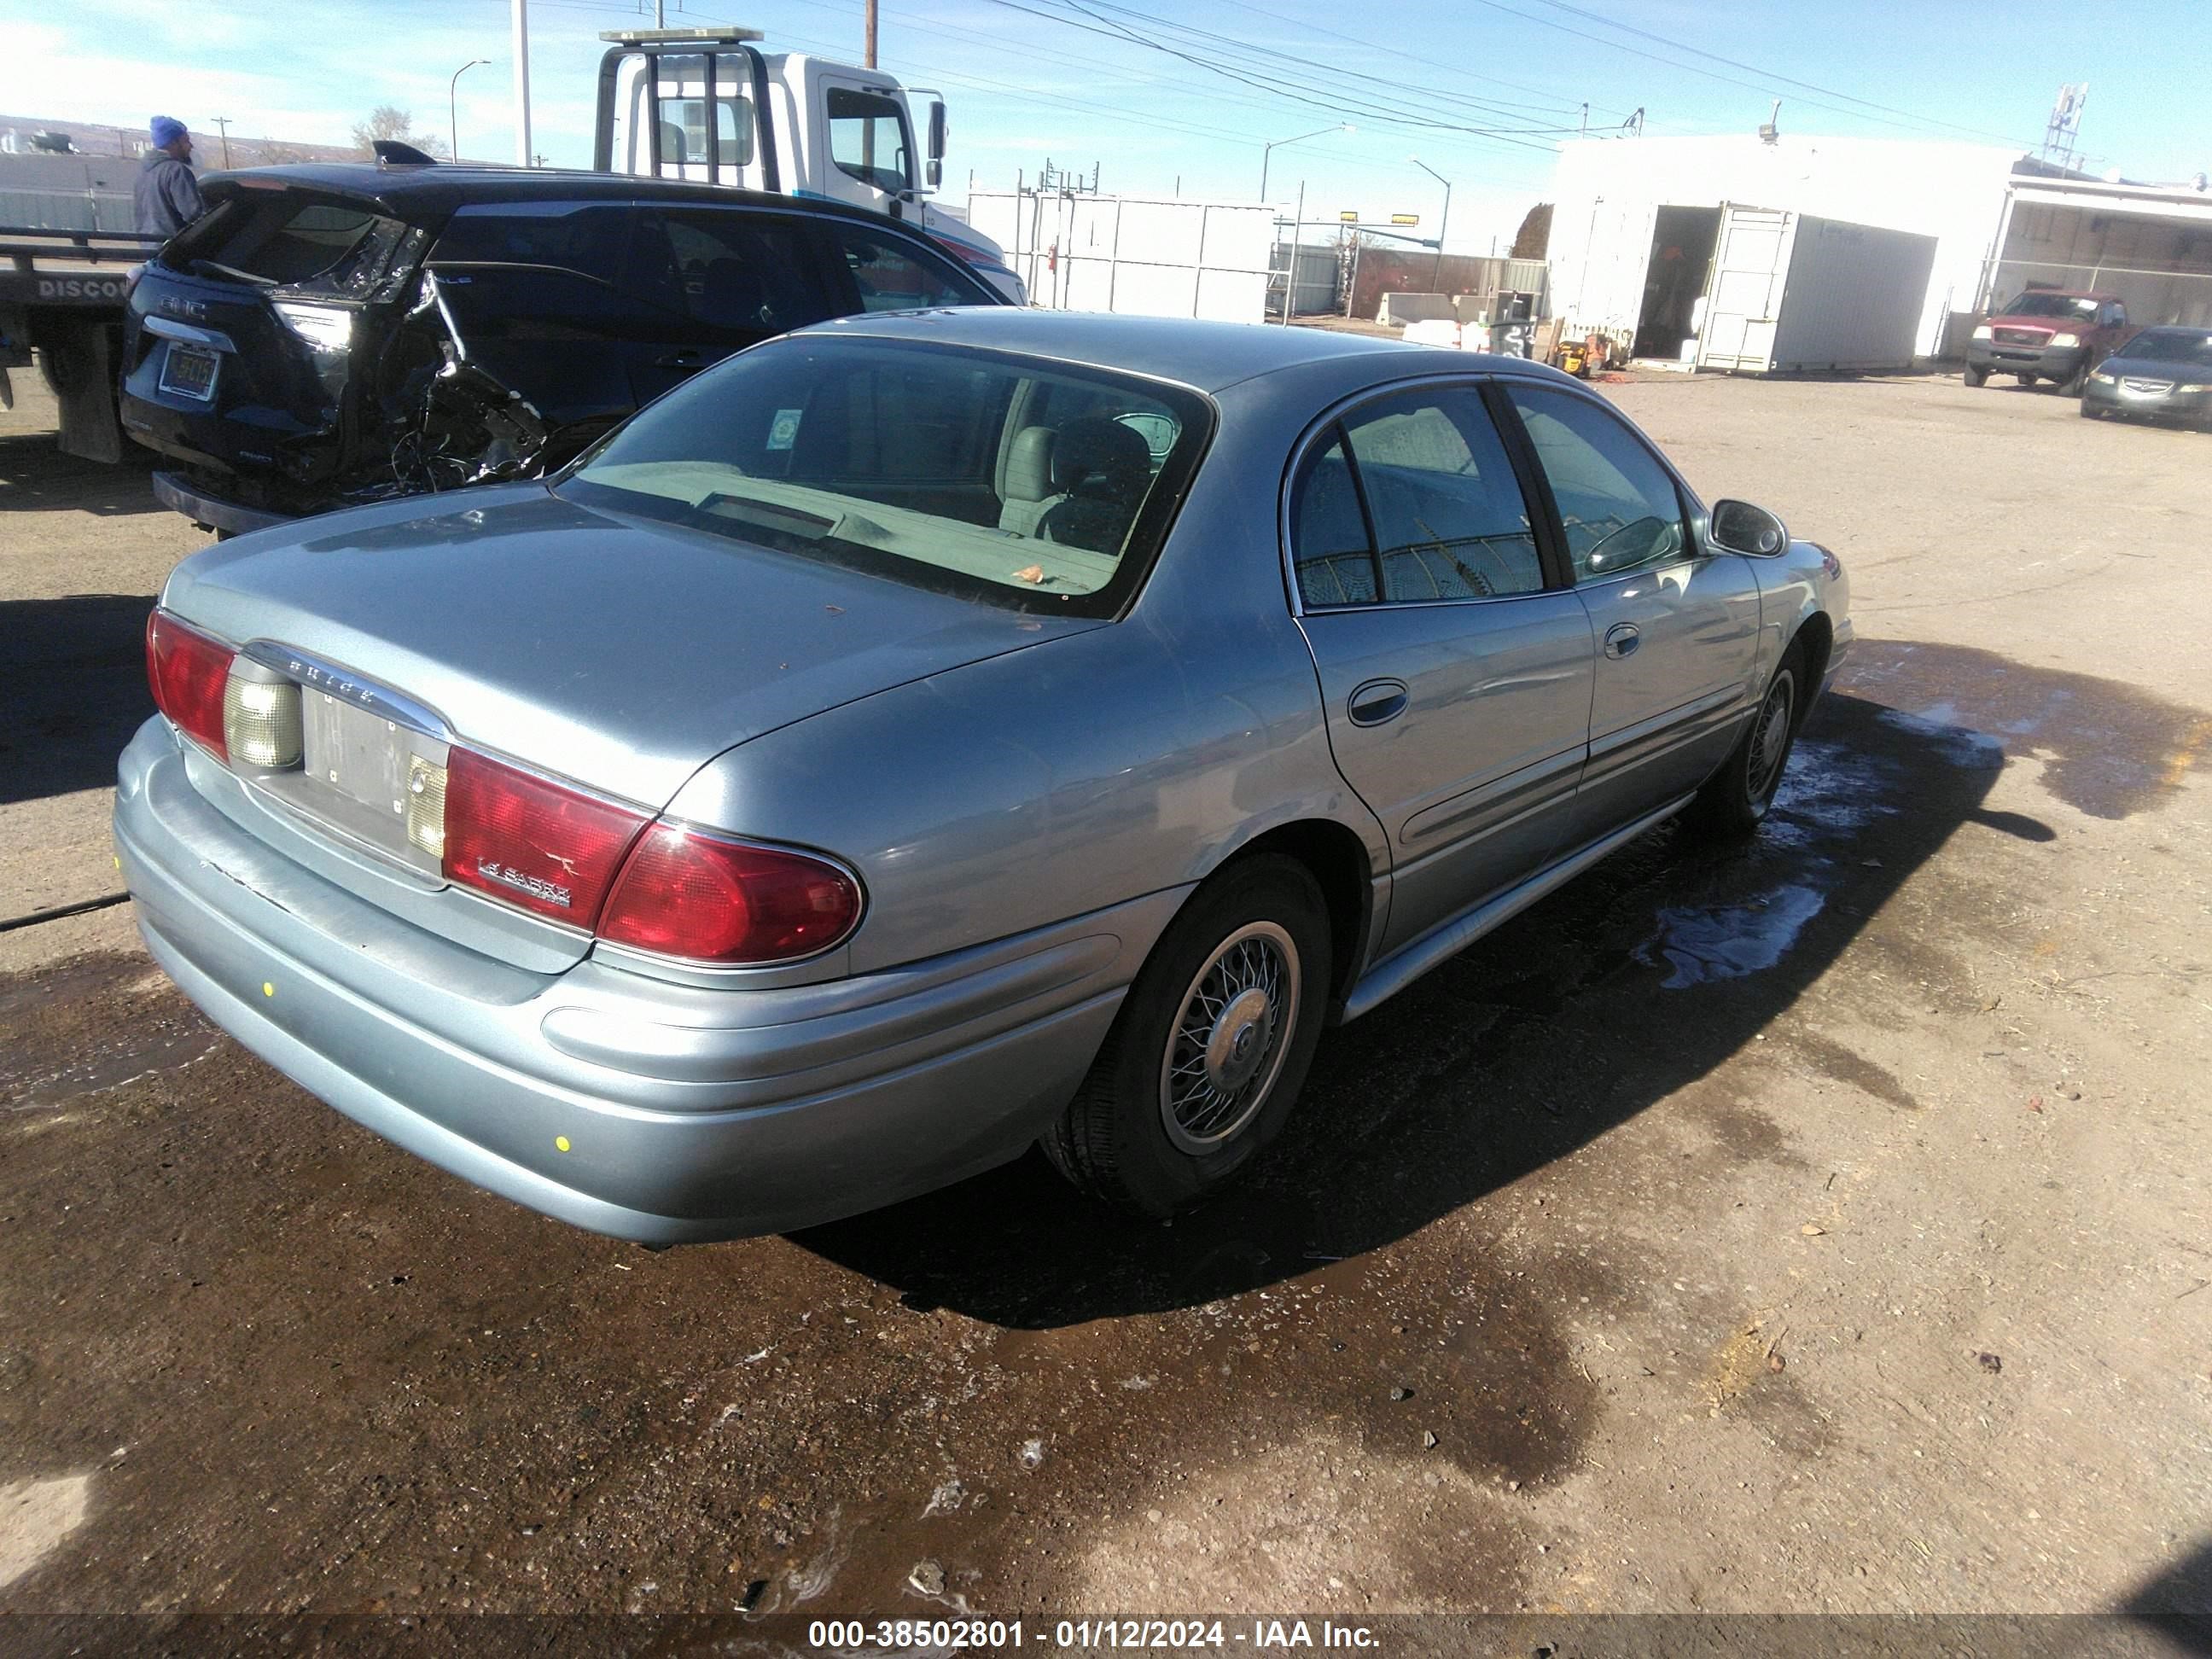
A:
{"x":529,"y":841}
{"x":684,"y":893}
{"x":188,"y":673}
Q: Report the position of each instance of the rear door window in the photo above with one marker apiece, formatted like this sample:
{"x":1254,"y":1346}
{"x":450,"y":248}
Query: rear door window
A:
{"x":548,"y":273}
{"x":1420,"y":484}
{"x":740,"y":275}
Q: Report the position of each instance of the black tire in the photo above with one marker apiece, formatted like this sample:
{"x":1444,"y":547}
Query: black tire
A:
{"x":2088,"y":413}
{"x":1136,"y":1136}
{"x":2027,"y":380}
{"x":2074,"y":384}
{"x":1735,"y":799}
{"x":1976,"y":377}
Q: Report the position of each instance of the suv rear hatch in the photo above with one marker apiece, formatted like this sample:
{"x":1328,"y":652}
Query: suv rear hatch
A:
{"x":257,"y":338}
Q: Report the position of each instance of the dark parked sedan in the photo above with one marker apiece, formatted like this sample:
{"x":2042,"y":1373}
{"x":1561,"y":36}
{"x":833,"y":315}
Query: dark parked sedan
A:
{"x":2161,"y":374}
{"x":925,"y":736}
{"x":329,"y":336}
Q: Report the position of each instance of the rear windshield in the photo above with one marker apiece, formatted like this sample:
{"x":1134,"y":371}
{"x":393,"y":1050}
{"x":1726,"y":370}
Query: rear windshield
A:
{"x":2171,"y":345}
{"x":2051,"y":305}
{"x":285,"y":242}
{"x":997,"y":477}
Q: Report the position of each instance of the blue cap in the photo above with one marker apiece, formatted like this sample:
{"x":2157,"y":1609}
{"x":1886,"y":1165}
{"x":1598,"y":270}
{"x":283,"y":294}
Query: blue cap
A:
{"x":166,"y":129}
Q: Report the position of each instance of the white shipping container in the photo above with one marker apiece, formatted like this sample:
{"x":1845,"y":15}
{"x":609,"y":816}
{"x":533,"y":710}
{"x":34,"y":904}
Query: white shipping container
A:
{"x":1793,"y":293}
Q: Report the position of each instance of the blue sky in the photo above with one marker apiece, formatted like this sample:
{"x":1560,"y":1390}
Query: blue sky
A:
{"x":1074,"y":86}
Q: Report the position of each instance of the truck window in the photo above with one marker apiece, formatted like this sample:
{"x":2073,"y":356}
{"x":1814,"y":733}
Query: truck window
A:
{"x":680,"y":83}
{"x":893,"y":276}
{"x":867,"y":139}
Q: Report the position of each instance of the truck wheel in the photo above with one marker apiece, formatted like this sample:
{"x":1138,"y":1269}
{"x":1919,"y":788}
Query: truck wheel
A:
{"x":1206,"y":1057}
{"x":1734,"y":800}
{"x":2077,"y":383}
{"x":2026,"y":379}
{"x":1976,"y":377}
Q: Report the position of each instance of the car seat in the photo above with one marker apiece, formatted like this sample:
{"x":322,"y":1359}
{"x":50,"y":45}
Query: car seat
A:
{"x":1102,"y":469}
{"x":1029,"y":493}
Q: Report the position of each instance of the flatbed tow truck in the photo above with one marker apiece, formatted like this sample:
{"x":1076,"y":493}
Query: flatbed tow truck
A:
{"x":62,"y":296}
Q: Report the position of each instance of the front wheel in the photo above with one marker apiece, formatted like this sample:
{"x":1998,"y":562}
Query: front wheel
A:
{"x":1976,"y":377}
{"x":1735,"y":799}
{"x":1211,"y":1046}
{"x":2077,"y":383}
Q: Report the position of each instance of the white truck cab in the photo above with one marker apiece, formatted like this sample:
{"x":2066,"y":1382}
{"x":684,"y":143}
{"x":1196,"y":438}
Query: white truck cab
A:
{"x":787,"y":123}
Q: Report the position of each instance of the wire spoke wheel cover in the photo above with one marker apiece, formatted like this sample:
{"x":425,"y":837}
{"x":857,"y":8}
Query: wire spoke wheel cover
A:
{"x":1229,"y":1038}
{"x":1770,"y":738}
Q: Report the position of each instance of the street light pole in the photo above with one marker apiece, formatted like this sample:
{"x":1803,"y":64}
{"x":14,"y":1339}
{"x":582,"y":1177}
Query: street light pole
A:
{"x":453,"y":103}
{"x":521,"y":30}
{"x":222,"y":124}
{"x":1445,"y":222}
{"x":1267,"y":151}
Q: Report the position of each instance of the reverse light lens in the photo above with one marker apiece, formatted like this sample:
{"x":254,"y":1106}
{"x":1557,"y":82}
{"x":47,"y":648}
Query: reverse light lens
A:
{"x":190,"y":674}
{"x":686,"y":894}
{"x":1981,"y":332}
{"x":426,"y":808}
{"x":323,"y":327}
{"x":528,"y":841}
{"x":261,"y":722}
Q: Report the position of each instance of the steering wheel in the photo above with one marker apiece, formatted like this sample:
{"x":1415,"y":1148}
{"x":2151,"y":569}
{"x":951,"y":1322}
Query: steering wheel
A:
{"x":1596,"y":558}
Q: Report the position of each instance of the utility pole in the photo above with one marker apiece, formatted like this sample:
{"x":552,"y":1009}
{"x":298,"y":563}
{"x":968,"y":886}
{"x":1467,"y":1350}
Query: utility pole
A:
{"x":868,"y":47}
{"x":522,"y":82}
{"x":1443,"y":224}
{"x":223,"y":126}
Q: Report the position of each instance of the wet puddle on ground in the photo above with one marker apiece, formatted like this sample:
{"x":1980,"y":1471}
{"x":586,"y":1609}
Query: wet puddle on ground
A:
{"x":94,"y":1024}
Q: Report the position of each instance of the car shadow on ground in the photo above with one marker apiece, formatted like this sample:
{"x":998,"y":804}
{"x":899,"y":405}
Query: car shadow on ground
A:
{"x":36,"y":477}
{"x":73,"y":681}
{"x":2178,"y":1602}
{"x":1629,"y":984}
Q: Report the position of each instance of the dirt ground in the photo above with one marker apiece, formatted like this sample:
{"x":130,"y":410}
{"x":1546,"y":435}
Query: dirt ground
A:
{"x":1820,"y":1228}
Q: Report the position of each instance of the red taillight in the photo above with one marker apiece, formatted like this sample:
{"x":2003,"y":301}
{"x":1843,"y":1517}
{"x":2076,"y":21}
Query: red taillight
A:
{"x":530,"y":843}
{"x":188,"y":672}
{"x":686,"y":894}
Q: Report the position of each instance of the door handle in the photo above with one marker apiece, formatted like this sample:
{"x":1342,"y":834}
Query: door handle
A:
{"x":1622,"y":639}
{"x":678,"y":360}
{"x":1377,"y":703}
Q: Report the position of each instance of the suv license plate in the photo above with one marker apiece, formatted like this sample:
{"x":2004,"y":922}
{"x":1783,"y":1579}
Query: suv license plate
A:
{"x":189,"y":372}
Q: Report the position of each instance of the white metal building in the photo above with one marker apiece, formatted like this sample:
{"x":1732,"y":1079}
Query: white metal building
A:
{"x":1151,"y":258}
{"x":1635,"y":221}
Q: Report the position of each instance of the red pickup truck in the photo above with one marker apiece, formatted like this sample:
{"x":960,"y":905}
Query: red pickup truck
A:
{"x":2048,"y":334}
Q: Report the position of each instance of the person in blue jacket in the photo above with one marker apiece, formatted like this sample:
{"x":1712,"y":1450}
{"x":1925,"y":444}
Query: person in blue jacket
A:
{"x":167,"y":197}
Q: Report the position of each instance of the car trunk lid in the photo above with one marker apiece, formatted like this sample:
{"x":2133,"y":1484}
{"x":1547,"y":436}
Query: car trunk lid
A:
{"x":617,"y":655}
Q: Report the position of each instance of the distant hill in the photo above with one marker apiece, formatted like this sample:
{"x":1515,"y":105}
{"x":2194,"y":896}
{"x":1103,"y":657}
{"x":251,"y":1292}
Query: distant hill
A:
{"x":107,"y":155}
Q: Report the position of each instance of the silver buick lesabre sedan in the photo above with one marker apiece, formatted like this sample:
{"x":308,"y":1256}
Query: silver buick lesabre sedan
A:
{"x":927,"y":735}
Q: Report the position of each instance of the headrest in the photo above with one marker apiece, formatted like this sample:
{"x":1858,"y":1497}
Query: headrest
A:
{"x":1095,"y":456}
{"x":730,"y":289}
{"x":1028,"y":465}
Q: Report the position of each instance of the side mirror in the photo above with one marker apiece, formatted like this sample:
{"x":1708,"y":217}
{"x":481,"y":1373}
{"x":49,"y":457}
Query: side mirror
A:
{"x":935,"y":145}
{"x":935,"y":174}
{"x":1740,"y":527}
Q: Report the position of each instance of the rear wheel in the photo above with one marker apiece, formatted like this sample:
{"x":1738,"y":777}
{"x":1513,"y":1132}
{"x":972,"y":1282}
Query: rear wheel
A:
{"x":1736,"y":799}
{"x":1976,"y":377}
{"x":1211,"y":1046}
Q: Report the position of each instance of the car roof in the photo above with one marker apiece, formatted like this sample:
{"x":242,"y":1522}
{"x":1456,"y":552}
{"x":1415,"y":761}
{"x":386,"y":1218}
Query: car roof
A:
{"x":432,"y":192}
{"x":2100,"y":295}
{"x":1207,"y":356}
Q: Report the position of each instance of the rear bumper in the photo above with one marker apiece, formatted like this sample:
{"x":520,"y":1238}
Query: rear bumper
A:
{"x":176,"y":491}
{"x":610,"y":1100}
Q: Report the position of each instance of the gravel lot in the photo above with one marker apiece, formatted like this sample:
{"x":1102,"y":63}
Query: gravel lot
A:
{"x":1817,"y":1228}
